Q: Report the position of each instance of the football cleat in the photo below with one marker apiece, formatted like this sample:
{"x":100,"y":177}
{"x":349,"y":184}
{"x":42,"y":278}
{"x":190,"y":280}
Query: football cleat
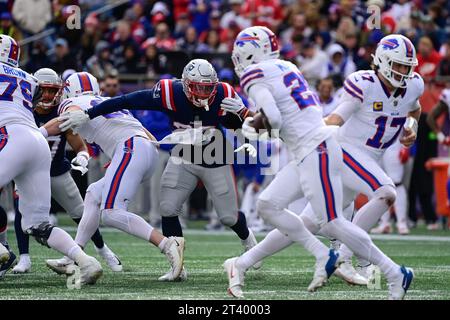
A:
{"x":90,"y":270}
{"x":8,"y":264}
{"x":4,"y":254}
{"x":399,"y":287}
{"x":235,"y":278}
{"x":23,"y":266}
{"x":346,"y":272}
{"x":249,"y":243}
{"x":174,"y":251}
{"x":368,"y":271}
{"x":110,"y":258}
{"x":403,"y":229}
{"x":325,"y":267}
{"x":61,"y":266}
{"x":382,"y":229}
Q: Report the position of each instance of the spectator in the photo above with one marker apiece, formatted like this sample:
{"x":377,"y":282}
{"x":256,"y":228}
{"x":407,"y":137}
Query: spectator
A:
{"x":131,"y":63}
{"x":338,"y":63}
{"x":91,"y":36}
{"x":200,"y":11}
{"x":63,"y":59}
{"x":154,"y":66}
{"x":189,"y":42}
{"x":212,"y":44}
{"x":298,"y":27}
{"x":38,"y":57}
{"x":139,"y":24}
{"x":428,"y":59}
{"x":214,"y":24}
{"x":312,"y":61}
{"x":182,"y":25}
{"x":100,"y":64}
{"x":111,"y":85}
{"x":7,"y":27}
{"x":32,"y":16}
{"x":234,"y":15}
{"x":180,"y":8}
{"x":163,"y":39}
{"x":325,"y":92}
{"x":444,"y":65}
{"x":263,"y":13}
{"x":123,"y":39}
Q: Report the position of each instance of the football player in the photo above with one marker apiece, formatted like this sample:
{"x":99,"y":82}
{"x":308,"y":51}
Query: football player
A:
{"x":197,"y":99}
{"x":63,"y":187}
{"x":25,"y":158}
{"x":281,"y":91}
{"x":442,"y":107}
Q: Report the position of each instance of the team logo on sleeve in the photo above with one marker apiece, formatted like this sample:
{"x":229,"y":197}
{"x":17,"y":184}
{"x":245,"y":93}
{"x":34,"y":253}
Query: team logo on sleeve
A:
{"x":378,"y":106}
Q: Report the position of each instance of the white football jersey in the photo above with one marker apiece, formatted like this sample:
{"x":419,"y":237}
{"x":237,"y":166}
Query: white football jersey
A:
{"x":380,"y":116}
{"x":303,"y":128}
{"x":17,"y":88}
{"x":445,"y":98}
{"x":108,"y":130}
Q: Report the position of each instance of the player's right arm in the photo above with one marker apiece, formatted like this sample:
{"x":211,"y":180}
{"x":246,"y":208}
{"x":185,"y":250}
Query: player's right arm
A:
{"x":439,"y":109}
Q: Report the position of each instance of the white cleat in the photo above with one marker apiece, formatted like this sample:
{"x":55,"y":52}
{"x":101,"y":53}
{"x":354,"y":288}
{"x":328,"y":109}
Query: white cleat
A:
{"x":382,"y":229}
{"x":61,"y":266}
{"x":249,"y":243}
{"x":403,"y":229}
{"x":235,"y":278}
{"x":346,"y":272}
{"x":4,"y":254}
{"x":369,"y":271}
{"x":23,"y":266}
{"x":400,"y":286}
{"x":174,"y":251}
{"x":110,"y":258}
{"x":90,"y":270}
{"x":325,"y":267}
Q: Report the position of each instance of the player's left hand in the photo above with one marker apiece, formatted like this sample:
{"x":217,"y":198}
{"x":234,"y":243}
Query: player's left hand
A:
{"x":408,"y":138}
{"x":80,"y":162}
{"x":72,"y":119}
{"x":234,"y":105}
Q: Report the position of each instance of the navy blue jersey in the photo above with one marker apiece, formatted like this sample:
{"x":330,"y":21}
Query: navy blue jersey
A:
{"x":168,"y":96}
{"x":57,"y":144}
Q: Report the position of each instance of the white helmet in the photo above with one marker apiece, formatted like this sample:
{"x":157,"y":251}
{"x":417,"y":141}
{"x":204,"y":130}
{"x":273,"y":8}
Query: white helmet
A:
{"x":253,"y":45}
{"x":200,"y":82}
{"x":399,"y":49}
{"x":81,"y":83}
{"x":48,"y":78}
{"x":9,"y":51}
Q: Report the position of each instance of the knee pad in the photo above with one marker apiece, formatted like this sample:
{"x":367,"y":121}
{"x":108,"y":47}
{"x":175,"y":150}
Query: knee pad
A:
{"x":228,"y":220}
{"x":387,"y":193}
{"x":168,"y":209}
{"x":266,"y":208}
{"x":41,"y":233}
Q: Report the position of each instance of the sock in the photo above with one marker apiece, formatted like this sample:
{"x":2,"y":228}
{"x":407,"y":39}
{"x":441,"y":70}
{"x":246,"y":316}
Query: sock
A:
{"x":400,"y":205}
{"x":359,"y":242}
{"x":23,"y":239}
{"x":89,"y":221}
{"x":3,"y":225}
{"x":274,"y":242}
{"x":171,"y":227}
{"x":128,"y":222}
{"x":96,"y":237}
{"x":385,"y":218}
{"x":240,"y":227}
{"x":368,"y":216}
{"x":162,"y":244}
{"x":62,"y":242}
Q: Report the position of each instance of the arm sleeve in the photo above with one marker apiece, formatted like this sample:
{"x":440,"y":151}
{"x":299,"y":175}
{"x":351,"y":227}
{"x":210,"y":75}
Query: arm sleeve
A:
{"x":265,"y":101}
{"x":141,"y":100}
{"x":348,"y":105}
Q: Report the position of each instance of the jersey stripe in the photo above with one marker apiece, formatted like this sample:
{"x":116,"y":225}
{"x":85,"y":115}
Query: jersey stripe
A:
{"x":63,"y":106}
{"x":349,"y":91}
{"x":250,"y":79}
{"x":254,"y":71}
{"x":3,"y":137}
{"x":354,"y":87}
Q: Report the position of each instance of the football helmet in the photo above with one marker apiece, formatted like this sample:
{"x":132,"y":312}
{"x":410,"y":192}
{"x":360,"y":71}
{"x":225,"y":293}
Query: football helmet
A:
{"x":395,"y":48}
{"x":253,"y":45}
{"x":200,"y":82}
{"x":51,"y":85}
{"x":81,"y":83}
{"x":9,"y":51}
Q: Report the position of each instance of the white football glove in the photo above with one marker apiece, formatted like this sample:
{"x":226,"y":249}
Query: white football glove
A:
{"x":80,"y":162}
{"x":72,"y":119}
{"x":234,"y":105}
{"x":249,"y":148}
{"x":248,"y":131}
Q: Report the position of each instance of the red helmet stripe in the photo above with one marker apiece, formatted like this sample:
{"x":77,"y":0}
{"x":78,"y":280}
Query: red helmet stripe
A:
{"x":85,"y":82}
{"x":14,"y":50}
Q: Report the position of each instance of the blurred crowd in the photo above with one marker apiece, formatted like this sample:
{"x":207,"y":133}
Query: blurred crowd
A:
{"x":147,"y":39}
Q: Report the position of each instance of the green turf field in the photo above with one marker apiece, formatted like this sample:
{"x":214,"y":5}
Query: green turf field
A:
{"x":283,"y":276}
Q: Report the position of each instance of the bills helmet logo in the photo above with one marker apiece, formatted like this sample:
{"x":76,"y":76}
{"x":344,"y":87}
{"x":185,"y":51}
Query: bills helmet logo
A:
{"x":240,"y":42}
{"x":389,"y":44}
